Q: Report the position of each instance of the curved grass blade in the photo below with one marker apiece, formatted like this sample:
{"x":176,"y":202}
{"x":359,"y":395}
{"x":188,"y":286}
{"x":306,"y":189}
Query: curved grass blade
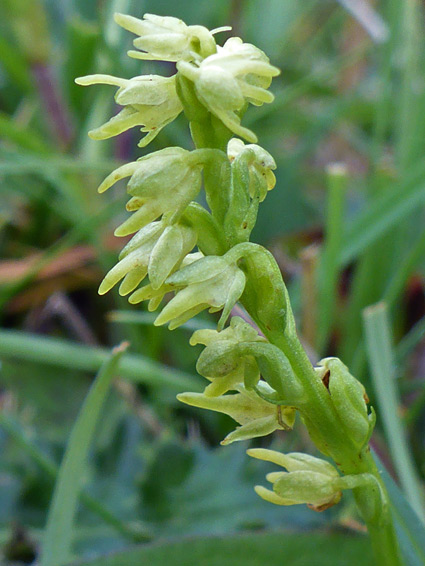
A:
{"x":58,"y":533}
{"x":381,"y":360}
{"x":54,"y":351}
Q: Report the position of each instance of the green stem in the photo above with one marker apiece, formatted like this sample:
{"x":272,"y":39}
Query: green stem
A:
{"x":319,"y":414}
{"x":380,"y":525}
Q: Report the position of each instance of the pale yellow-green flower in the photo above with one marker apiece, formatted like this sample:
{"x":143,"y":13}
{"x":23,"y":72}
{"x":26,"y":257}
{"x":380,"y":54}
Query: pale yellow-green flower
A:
{"x":225,"y":81}
{"x":149,"y":101}
{"x":209,"y":283}
{"x":167,"y":38}
{"x":161,"y":183}
{"x":308,"y":480}
{"x":155,"y":250}
{"x":155,"y":296}
{"x":256,"y":416}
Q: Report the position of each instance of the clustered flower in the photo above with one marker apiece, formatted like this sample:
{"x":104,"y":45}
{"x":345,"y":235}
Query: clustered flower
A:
{"x":162,"y":184}
{"x":250,"y":378}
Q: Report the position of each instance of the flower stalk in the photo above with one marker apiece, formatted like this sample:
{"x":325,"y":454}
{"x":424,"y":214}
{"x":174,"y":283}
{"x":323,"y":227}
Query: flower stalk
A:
{"x":203,"y":255}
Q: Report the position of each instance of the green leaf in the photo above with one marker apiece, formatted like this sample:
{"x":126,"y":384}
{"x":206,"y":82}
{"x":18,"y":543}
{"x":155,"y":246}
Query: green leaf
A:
{"x":381,"y":361}
{"x":410,"y":529}
{"x":253,"y":549}
{"x":58,"y":534}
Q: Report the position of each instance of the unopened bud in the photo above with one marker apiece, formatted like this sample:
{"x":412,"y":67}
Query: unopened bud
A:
{"x":350,"y":401}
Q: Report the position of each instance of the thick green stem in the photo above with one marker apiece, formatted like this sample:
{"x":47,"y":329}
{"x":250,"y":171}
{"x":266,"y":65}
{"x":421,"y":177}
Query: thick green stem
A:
{"x":372,"y":503}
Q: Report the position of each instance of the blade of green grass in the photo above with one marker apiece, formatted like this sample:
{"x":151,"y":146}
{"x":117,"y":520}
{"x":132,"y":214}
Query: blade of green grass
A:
{"x":409,"y":117}
{"x":250,"y":549}
{"x":53,"y":351}
{"x":15,"y":65}
{"x":14,"y":430}
{"x":381,"y":362}
{"x":409,"y":528}
{"x":384,"y":213}
{"x":13,"y":163}
{"x":410,"y":341}
{"x":147,"y":319}
{"x":411,"y":258}
{"x":328,"y":267}
{"x":22,"y":136}
{"x":56,"y":547}
{"x":368,"y":18}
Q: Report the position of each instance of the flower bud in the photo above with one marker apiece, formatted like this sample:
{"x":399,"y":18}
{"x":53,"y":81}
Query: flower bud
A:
{"x":350,"y":401}
{"x":212,"y":282}
{"x":155,"y":250}
{"x":308,"y":480}
{"x":163,"y":182}
{"x":149,"y":101}
{"x":259,"y":163}
{"x":257,"y":417}
{"x":252,"y":178}
{"x":221,"y":362}
{"x":166,"y":38}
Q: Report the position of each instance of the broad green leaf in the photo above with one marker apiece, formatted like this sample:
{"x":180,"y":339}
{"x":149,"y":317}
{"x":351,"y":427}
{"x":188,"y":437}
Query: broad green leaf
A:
{"x":253,"y":549}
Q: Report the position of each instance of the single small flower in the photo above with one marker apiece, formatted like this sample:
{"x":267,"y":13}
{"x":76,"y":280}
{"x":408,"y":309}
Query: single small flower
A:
{"x":210,"y":283}
{"x":167,"y":38}
{"x":149,"y":101}
{"x":237,"y":74}
{"x":257,"y":417}
{"x":156,"y":250}
{"x":308,"y":480}
{"x":161,"y":183}
{"x":260,"y":166}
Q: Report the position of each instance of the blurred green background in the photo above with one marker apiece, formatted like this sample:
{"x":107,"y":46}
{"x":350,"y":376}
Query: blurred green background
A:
{"x":351,"y":91}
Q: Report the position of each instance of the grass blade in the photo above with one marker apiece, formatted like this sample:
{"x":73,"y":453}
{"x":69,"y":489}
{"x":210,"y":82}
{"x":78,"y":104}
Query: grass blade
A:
{"x":15,"y":431}
{"x":147,"y":318}
{"x":384,"y":213}
{"x":58,"y":533}
{"x":381,"y":361}
{"x":368,"y":18}
{"x":410,"y":529}
{"x":53,"y":351}
{"x":329,"y":268}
